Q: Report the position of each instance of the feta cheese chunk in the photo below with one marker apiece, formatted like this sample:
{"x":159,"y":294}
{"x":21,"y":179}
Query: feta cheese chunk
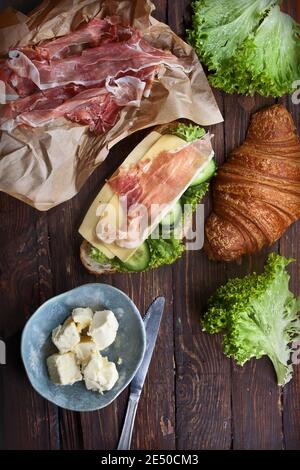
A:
{"x":66,"y":336}
{"x":103,"y":328}
{"x":82,"y":316}
{"x":84,"y":350}
{"x":63,"y":369}
{"x":100,"y":374}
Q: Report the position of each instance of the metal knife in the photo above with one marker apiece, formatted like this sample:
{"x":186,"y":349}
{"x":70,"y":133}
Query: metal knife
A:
{"x":151,"y":321}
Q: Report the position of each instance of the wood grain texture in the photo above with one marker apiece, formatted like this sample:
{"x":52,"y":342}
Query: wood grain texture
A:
{"x":256,"y":399}
{"x":289,"y":246}
{"x":29,"y":421}
{"x":194,"y":397}
{"x":203,"y":414}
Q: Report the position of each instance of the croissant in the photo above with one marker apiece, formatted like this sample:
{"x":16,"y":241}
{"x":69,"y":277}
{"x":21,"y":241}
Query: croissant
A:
{"x":256,"y":194}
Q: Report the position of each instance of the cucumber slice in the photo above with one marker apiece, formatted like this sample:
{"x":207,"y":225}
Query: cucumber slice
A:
{"x":172,"y":218}
{"x":139,"y":260}
{"x":205,"y":174}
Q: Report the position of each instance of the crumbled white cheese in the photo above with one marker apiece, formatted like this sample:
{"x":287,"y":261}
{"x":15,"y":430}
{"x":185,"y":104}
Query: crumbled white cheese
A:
{"x":84,"y":350}
{"x":63,"y":369}
{"x":103,"y":328}
{"x":100,"y":374}
{"x":82,"y":316}
{"x":79,"y":357}
{"x":66,"y":336}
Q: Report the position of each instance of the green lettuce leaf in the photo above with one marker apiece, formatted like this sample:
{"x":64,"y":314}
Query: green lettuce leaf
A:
{"x":97,"y":255}
{"x":219,"y":27}
{"x":254,"y":47}
{"x":188,"y":132}
{"x":194,"y":195}
{"x":164,"y":251}
{"x":258,"y":316}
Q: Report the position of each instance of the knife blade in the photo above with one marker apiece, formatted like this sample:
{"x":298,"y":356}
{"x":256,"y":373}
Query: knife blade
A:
{"x":152,"y":322}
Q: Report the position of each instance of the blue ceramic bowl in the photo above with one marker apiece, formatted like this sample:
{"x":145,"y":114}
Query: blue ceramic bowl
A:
{"x":36,"y":344}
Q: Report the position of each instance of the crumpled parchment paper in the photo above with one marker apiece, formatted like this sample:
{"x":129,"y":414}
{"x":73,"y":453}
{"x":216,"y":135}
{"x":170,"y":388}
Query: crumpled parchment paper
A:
{"x":47,"y":166}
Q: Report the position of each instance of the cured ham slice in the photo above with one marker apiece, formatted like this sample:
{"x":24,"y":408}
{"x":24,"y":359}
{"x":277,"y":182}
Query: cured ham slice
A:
{"x":87,"y":76}
{"x":11,"y":114}
{"x":14,"y":84}
{"x":159,"y":180}
{"x":88,"y":35}
{"x":149,"y":187}
{"x":96,"y":107}
{"x":94,"y":65}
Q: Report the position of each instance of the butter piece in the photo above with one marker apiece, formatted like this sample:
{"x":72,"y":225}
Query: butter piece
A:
{"x":100,"y":374}
{"x":84,"y":350}
{"x":66,"y":336}
{"x":103,"y":328}
{"x":63,"y":369}
{"x":82,"y":316}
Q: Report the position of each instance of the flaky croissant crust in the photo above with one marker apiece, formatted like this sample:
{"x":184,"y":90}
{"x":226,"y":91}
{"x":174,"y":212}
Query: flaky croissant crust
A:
{"x":256,"y":194}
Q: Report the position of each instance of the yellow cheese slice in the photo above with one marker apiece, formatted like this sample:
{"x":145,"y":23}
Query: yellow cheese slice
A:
{"x":166,"y":143}
{"x":87,"y":228}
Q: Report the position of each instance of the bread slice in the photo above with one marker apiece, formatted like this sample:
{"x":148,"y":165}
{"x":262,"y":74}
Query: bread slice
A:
{"x":93,"y":266}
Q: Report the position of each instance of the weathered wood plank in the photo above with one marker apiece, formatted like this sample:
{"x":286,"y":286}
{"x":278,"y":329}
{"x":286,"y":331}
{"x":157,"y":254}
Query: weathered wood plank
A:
{"x":155,"y":424}
{"x":203,"y":416}
{"x":28,"y":420}
{"x":256,"y":399}
{"x":290,"y":247}
{"x":34,"y":268}
{"x":21,"y":5}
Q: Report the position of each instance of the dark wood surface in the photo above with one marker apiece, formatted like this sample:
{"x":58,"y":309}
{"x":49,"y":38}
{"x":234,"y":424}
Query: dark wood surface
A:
{"x":194,"y":397}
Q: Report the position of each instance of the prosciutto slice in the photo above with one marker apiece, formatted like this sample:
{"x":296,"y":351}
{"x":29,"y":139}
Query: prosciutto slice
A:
{"x":12,"y":114}
{"x":88,"y":35}
{"x":160,"y":180}
{"x":150,"y":186}
{"x":87,"y":76}
{"x":94,"y":65}
{"x":98,"y":108}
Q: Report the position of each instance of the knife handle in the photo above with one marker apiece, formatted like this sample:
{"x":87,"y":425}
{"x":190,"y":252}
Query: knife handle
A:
{"x":125,"y":439}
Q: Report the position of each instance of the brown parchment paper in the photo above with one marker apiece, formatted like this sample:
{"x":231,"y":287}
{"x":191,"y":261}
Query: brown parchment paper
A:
{"x":49,"y":165}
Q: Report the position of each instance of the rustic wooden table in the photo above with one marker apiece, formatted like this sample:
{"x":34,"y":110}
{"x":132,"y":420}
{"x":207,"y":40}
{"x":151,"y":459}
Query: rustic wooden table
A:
{"x":194,"y":397}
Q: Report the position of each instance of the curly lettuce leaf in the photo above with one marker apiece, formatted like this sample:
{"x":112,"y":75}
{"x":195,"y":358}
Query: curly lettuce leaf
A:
{"x":219,"y":27}
{"x":272,"y":56}
{"x":194,"y":195}
{"x":164,"y":251}
{"x":258,"y":316}
{"x":188,"y":132}
{"x":263,"y":56}
{"x":97,"y":255}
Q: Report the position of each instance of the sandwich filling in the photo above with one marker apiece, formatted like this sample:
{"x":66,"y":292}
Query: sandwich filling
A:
{"x":172,"y":173}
